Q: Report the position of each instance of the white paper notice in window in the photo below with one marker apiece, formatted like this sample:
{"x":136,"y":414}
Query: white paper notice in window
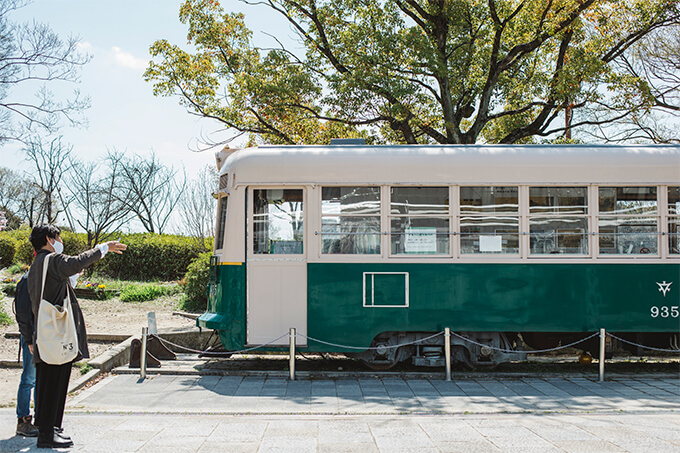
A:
{"x":490,"y":244}
{"x":420,"y":240}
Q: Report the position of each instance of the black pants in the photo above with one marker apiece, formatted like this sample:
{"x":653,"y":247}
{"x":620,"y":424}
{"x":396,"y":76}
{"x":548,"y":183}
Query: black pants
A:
{"x":51,"y":386}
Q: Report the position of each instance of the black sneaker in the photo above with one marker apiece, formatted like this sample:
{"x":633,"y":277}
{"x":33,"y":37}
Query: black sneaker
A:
{"x":26,"y":428}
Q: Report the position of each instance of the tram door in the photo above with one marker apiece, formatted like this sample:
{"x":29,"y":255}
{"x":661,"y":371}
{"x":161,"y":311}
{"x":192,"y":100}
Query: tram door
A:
{"x":276,"y":267}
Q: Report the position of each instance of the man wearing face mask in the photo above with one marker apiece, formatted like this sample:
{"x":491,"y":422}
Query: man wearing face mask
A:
{"x":52,"y":380}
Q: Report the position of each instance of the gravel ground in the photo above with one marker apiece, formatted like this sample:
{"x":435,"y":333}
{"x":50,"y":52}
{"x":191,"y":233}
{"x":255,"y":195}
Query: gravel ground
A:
{"x":110,"y":316}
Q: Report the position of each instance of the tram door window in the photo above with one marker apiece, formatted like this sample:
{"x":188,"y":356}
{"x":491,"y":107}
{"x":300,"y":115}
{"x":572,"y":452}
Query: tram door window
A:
{"x":350,"y":220}
{"x":420,"y":220}
{"x":674,"y":220}
{"x":221,"y":223}
{"x":277,"y":221}
{"x":628,"y":221}
{"x":558,"y":222}
{"x":489,"y":221}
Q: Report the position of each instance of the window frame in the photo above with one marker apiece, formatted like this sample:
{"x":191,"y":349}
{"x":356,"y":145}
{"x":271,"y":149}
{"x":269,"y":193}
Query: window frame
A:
{"x":378,"y":215}
{"x":658,"y":216}
{"x":386,"y":203}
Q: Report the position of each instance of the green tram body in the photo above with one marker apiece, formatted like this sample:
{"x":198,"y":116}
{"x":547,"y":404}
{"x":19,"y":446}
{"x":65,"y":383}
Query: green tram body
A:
{"x":550,"y":299}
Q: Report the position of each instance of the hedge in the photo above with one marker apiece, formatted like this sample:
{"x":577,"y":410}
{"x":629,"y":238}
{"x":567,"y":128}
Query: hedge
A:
{"x":196,"y":287}
{"x":149,"y":256}
{"x":6,"y":252}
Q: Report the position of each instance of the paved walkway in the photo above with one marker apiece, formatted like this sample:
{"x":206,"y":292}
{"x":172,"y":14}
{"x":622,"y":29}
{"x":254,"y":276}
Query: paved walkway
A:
{"x":251,"y":414}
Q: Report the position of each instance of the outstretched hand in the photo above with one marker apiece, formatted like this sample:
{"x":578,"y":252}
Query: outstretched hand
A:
{"x":116,"y":247}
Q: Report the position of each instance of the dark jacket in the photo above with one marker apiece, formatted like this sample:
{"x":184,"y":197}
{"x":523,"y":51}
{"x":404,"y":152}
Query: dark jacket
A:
{"x":23,"y":310}
{"x":61,"y":267}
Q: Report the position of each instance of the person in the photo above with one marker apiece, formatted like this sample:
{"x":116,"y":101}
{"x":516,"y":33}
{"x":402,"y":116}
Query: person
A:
{"x":52,"y":380}
{"x":24,"y":316}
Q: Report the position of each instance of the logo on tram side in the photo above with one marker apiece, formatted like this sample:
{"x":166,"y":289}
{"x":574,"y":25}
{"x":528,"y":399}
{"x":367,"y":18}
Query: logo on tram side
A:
{"x":664,"y":287}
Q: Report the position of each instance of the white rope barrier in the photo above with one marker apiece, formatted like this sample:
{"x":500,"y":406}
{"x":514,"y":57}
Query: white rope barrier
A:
{"x":370,"y":348}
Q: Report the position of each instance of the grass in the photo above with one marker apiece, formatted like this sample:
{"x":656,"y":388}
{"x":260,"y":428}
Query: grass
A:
{"x":142,"y":292}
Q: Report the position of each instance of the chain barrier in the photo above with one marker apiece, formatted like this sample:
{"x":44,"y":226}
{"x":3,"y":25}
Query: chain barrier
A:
{"x":373,"y":348}
{"x":527,"y":352}
{"x":643,"y":346}
{"x":227,"y":352}
{"x":370,"y":348}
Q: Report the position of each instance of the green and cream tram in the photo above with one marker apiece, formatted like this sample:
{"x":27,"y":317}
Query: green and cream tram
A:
{"x":375,"y":246}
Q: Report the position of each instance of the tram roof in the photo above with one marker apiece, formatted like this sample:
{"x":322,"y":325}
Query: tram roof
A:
{"x":455,"y":164}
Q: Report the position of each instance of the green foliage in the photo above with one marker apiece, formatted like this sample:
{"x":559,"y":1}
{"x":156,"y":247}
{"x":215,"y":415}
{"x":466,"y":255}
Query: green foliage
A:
{"x":23,"y":251}
{"x":141,"y":293}
{"x":419,"y":71}
{"x":150,"y":257}
{"x":84,"y":367}
{"x":6,"y":252}
{"x":196,"y":287}
{"x":5,"y":319}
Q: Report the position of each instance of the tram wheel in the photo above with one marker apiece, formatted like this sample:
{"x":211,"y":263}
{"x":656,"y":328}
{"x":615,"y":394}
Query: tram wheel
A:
{"x":379,"y":365}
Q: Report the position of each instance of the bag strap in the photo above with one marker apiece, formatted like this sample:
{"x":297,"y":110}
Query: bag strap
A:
{"x":46,"y":262}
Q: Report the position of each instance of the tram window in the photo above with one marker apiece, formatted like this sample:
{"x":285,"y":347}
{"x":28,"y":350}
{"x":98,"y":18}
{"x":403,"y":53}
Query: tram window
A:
{"x":628,"y":200}
{"x":558,"y":235}
{"x":488,"y":200}
{"x":350,"y":200}
{"x":350,"y":222}
{"x":221,"y":224}
{"x":628,"y":235}
{"x":419,"y":200}
{"x":557,"y":222}
{"x":624,"y":224}
{"x":487,"y":224}
{"x":674,"y":220}
{"x":558,"y":200}
{"x":674,"y":200}
{"x":489,"y":235}
{"x":277,"y":221}
{"x":419,"y":222}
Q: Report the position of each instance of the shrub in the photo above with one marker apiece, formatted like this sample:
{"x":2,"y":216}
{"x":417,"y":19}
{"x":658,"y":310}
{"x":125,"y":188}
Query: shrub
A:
{"x":7,"y":249}
{"x":150,"y":257}
{"x":5,"y":319}
{"x":141,"y":293}
{"x":196,"y":287}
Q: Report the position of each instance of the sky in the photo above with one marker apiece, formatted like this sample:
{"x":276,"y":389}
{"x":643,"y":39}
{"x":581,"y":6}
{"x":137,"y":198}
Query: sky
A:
{"x":125,"y":115}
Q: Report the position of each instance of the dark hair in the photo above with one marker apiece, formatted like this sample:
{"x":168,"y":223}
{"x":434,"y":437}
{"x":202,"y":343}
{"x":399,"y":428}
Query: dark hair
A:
{"x":40,"y":234}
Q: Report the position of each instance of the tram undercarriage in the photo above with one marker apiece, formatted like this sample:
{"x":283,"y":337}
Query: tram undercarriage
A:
{"x":470,"y":349}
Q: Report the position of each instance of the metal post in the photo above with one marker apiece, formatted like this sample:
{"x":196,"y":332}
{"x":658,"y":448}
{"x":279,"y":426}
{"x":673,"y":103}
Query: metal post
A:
{"x":142,"y":357}
{"x":602,"y":338}
{"x":291,"y":334}
{"x":447,"y":352}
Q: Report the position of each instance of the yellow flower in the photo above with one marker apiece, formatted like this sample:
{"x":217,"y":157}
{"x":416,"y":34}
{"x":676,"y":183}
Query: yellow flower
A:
{"x":88,"y":285}
{"x":101,"y":286}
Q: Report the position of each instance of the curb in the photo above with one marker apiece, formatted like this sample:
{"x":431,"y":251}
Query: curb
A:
{"x":80,"y":383}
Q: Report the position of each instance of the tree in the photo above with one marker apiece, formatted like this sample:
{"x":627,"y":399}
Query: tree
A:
{"x":51,"y":162}
{"x":98,"y":208}
{"x":414,"y":71}
{"x":33,"y":56}
{"x":656,"y":61}
{"x":197,"y":206}
{"x":148,"y":189}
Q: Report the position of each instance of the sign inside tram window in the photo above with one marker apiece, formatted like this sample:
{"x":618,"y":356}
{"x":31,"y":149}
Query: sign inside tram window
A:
{"x":420,"y":240}
{"x":490,"y":244}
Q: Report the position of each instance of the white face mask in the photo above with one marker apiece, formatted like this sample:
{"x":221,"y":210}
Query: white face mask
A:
{"x":58,"y":246}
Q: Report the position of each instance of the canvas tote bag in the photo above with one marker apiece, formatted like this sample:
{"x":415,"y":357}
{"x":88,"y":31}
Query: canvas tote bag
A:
{"x":56,"y":334}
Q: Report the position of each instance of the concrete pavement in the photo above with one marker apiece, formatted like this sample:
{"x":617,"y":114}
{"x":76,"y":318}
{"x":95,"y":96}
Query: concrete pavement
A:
{"x":261,"y":414}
